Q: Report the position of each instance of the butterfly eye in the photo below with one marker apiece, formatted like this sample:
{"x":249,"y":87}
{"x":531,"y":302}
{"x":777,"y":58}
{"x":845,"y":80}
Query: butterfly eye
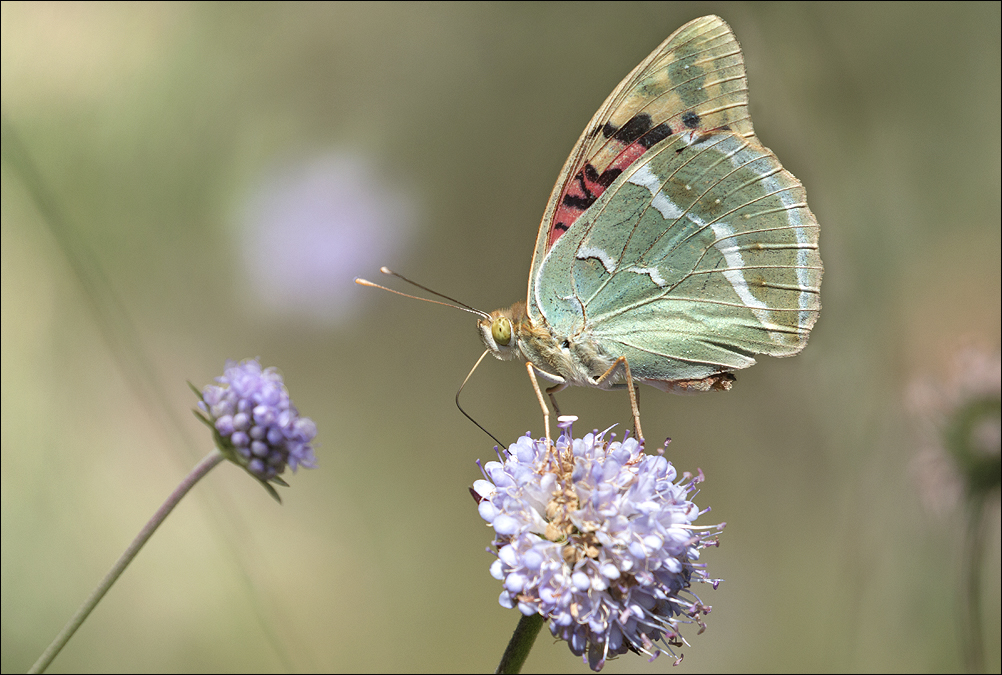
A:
{"x":501,"y":331}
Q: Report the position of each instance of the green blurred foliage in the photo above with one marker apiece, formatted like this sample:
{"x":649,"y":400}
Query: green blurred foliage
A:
{"x":151,"y":123}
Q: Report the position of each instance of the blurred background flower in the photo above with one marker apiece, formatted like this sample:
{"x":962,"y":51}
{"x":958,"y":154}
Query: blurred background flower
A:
{"x":958,"y":424}
{"x":158,"y":126}
{"x":310,"y":227}
{"x":958,"y":469}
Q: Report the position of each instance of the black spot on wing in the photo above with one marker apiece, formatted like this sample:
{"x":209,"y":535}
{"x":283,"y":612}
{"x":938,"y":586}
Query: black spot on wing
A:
{"x":579,"y":203}
{"x":586,"y":198}
{"x":690,"y":119}
{"x":609,"y":175}
{"x":561,"y":226}
{"x":604,"y":179}
{"x":637,"y":126}
{"x":655,"y":135}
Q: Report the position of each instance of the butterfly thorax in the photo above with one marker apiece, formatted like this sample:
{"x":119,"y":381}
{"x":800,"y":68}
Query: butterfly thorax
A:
{"x":566,"y":359}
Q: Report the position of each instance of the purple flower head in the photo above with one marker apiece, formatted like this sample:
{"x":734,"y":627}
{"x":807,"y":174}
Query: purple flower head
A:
{"x":597,"y":537}
{"x":256,"y":424}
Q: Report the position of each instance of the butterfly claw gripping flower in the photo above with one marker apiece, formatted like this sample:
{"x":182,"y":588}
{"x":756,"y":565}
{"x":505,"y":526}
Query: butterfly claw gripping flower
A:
{"x":255,"y":423}
{"x":597,"y":537}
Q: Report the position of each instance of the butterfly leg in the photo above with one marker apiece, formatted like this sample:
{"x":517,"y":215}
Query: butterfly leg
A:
{"x":539,"y":397}
{"x":553,"y":399}
{"x":630,"y":387}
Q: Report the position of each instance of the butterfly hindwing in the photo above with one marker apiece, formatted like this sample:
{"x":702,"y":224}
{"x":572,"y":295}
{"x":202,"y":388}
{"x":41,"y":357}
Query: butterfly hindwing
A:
{"x":698,"y":256}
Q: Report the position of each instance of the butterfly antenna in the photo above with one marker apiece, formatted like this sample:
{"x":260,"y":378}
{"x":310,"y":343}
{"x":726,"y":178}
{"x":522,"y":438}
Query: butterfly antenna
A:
{"x":486,"y":352}
{"x":455,"y":303}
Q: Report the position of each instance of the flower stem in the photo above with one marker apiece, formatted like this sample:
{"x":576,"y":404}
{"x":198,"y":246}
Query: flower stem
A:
{"x":203,"y":467}
{"x":521,"y":642}
{"x":972,"y":626}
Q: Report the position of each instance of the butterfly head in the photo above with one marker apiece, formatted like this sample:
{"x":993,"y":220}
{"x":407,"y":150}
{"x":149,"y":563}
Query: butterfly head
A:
{"x":499,"y":331}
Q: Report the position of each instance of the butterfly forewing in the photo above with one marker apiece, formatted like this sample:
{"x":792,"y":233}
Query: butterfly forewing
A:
{"x":698,"y":256}
{"x":694,"y":81}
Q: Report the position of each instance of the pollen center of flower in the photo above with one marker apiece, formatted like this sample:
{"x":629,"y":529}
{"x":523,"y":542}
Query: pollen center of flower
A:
{"x":562,"y":505}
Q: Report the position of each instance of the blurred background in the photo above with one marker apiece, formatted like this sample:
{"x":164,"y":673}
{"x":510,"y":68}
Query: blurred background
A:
{"x":209,"y":178}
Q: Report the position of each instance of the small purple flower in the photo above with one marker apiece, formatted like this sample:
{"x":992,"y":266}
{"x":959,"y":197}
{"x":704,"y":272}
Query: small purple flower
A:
{"x":256,"y":424}
{"x":597,"y":537}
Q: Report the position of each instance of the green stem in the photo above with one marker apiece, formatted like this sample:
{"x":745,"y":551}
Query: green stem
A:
{"x":972,"y":638}
{"x":521,"y":642}
{"x":203,"y":467}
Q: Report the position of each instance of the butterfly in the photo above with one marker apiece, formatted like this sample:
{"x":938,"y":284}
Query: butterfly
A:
{"x":674,"y":246}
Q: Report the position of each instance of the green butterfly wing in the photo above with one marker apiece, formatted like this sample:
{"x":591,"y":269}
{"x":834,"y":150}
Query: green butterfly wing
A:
{"x":700,"y":255}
